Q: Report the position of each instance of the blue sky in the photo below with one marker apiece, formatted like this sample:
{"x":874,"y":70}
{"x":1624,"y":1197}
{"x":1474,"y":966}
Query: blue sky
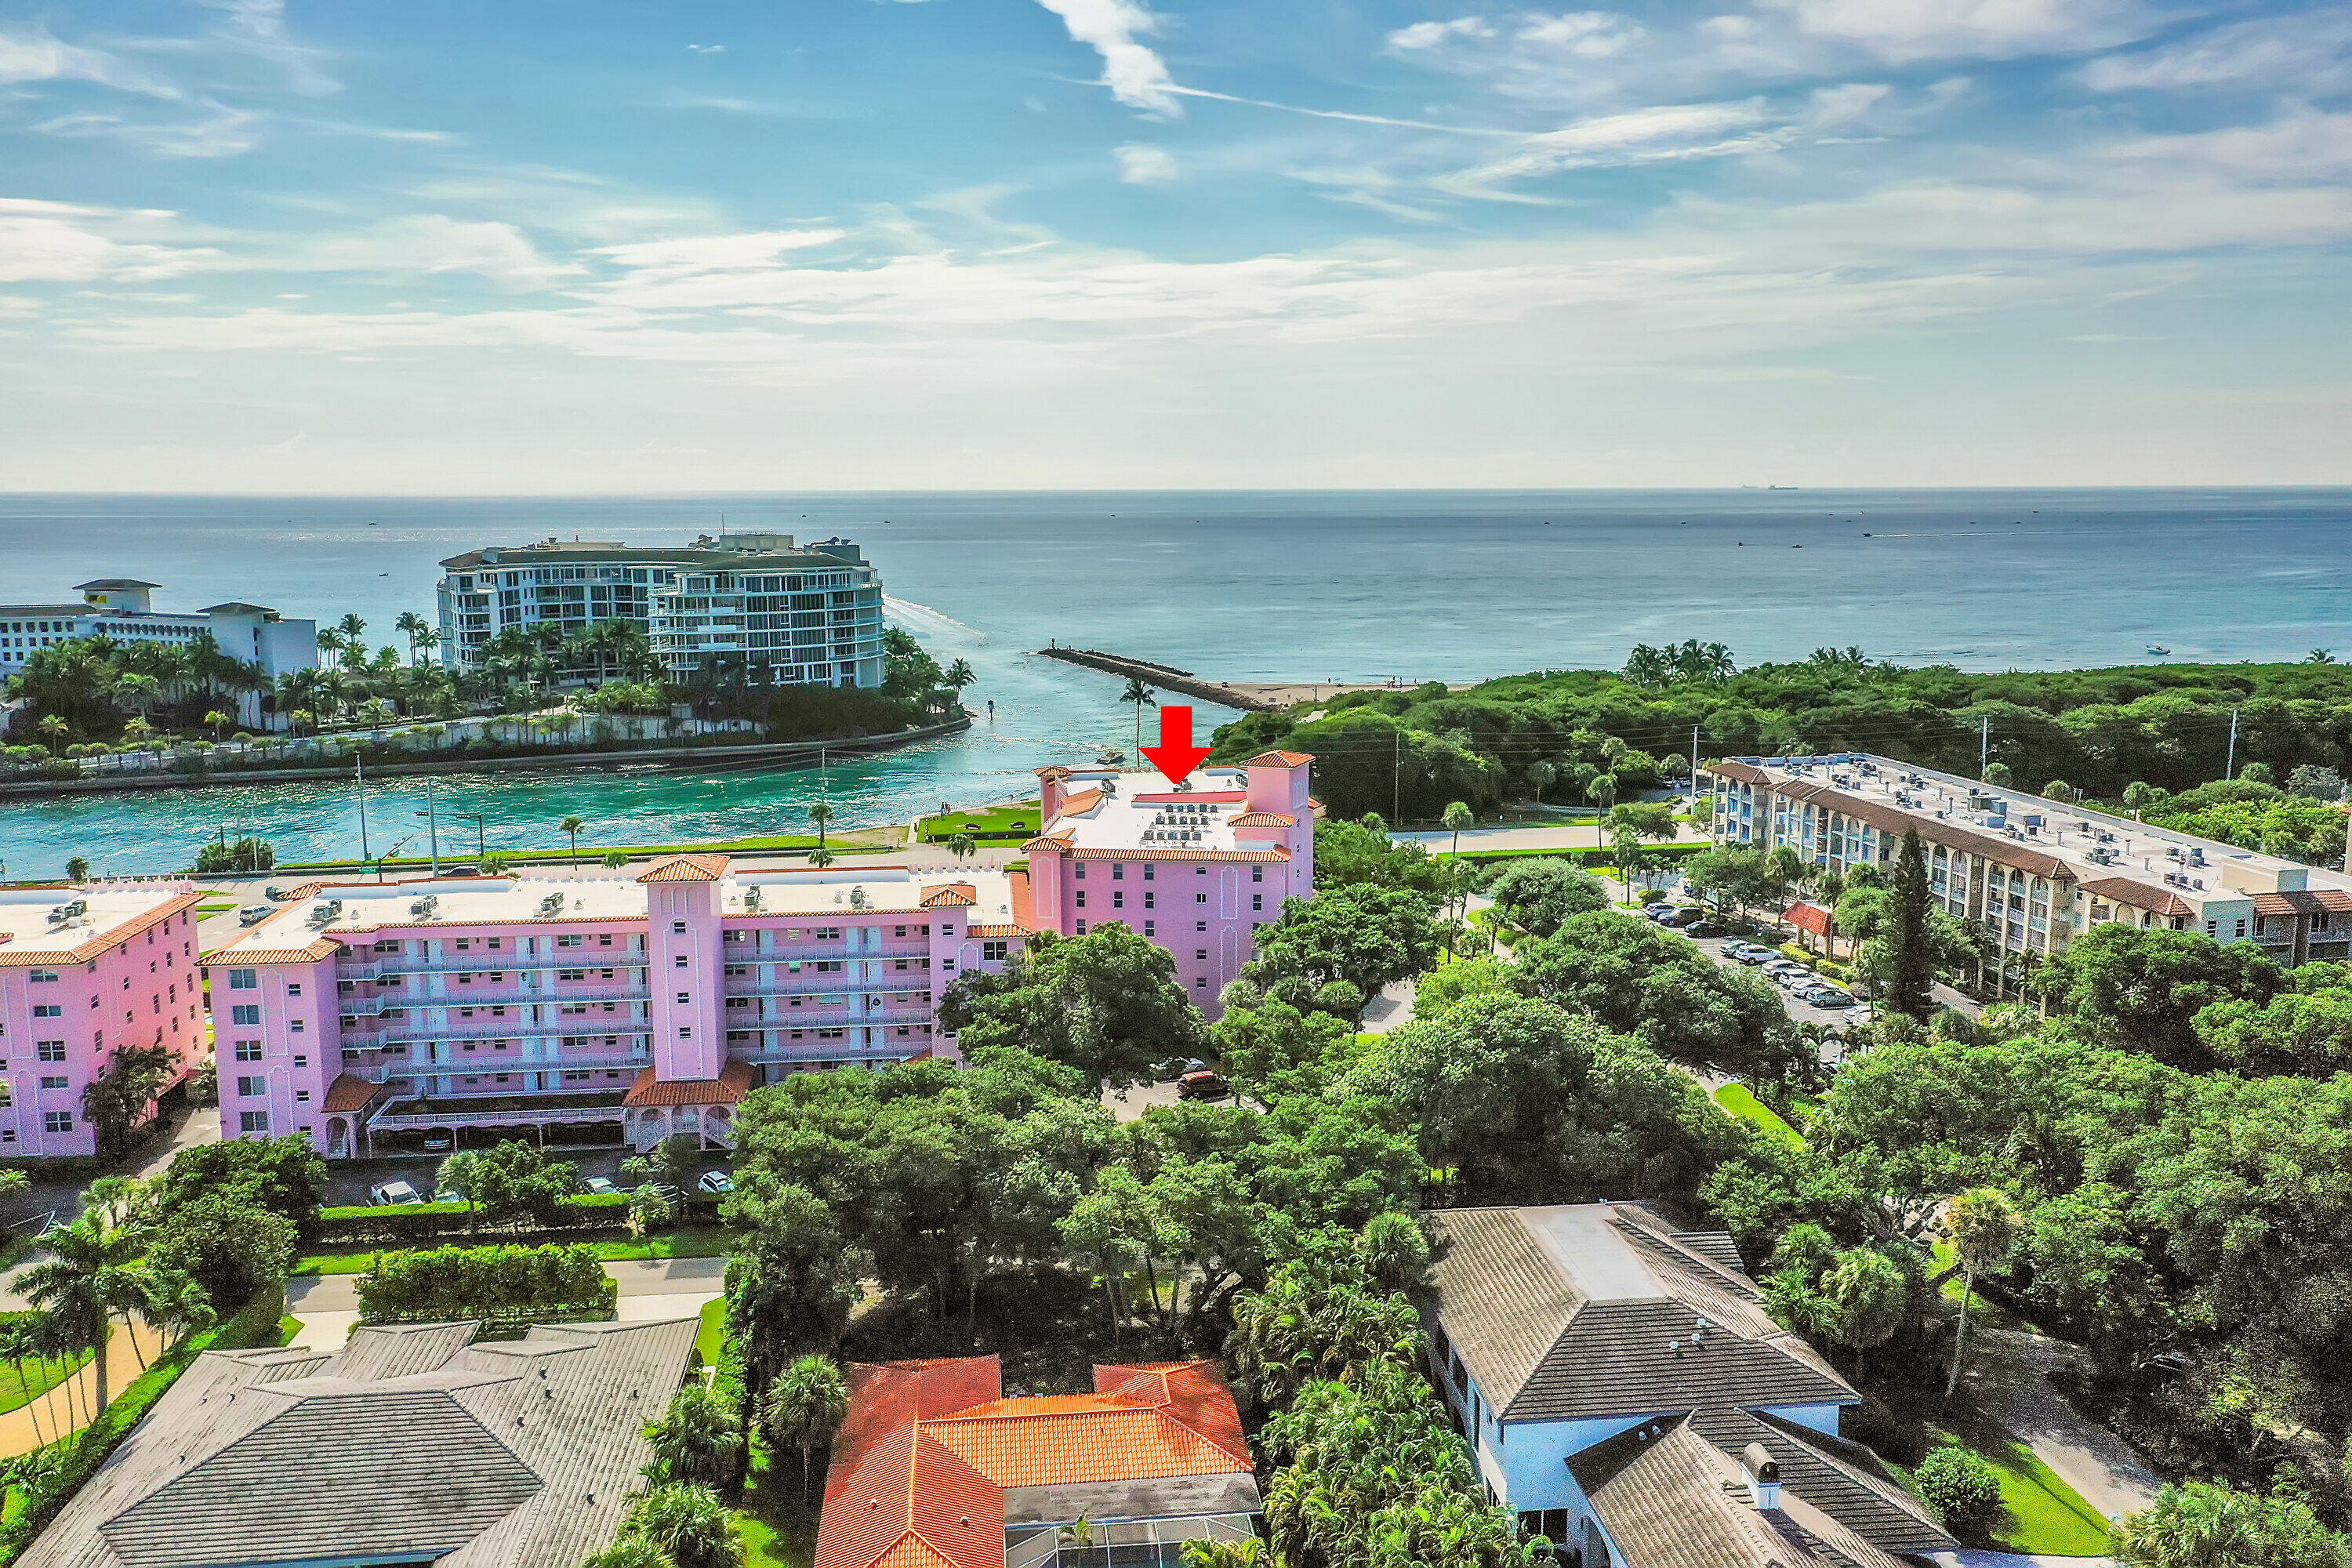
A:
{"x":677,"y":244}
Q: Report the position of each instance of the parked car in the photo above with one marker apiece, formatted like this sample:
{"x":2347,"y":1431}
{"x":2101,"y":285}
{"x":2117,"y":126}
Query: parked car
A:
{"x":1204,"y":1084}
{"x":275,"y":895}
{"x":1174,"y":1067}
{"x":1657,"y":912}
{"x":1775,"y":967}
{"x":715,"y":1182}
{"x":1828,"y":997}
{"x":598,"y":1186}
{"x":462,"y":872}
{"x":437,"y":1142}
{"x":1683,"y":916}
{"x":254,"y":915}
{"x":395,"y":1192}
{"x":1749,"y":953}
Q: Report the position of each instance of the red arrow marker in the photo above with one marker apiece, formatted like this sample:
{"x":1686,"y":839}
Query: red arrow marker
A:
{"x":1176,"y":756}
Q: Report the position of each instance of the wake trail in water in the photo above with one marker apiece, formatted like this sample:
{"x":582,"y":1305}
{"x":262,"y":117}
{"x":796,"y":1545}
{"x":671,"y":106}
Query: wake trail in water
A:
{"x":922,"y":617}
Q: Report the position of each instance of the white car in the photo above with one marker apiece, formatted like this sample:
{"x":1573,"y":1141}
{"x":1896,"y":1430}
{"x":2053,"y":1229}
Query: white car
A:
{"x":597,"y":1186}
{"x":394,"y":1193}
{"x":716,"y":1182}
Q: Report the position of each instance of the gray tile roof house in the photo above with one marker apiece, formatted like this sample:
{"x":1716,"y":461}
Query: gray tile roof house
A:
{"x":410,"y":1445}
{"x":1605,"y":1362}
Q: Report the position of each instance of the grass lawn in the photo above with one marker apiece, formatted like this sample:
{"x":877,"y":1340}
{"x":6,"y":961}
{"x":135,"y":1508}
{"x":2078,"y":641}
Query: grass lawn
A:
{"x":779,"y":1527}
{"x":2040,"y":1513}
{"x":19,"y":1386}
{"x":1736,"y":1098}
{"x":1019,"y":818}
{"x":287,"y":1328}
{"x":711,"y":1338}
{"x":687,"y":1241}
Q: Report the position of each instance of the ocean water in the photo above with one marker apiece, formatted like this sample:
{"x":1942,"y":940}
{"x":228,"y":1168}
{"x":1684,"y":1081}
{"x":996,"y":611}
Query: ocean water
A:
{"x":1415,"y":585}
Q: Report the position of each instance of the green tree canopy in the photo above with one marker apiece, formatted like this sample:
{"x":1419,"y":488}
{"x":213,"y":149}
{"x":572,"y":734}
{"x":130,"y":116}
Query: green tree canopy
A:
{"x":1107,"y":1004}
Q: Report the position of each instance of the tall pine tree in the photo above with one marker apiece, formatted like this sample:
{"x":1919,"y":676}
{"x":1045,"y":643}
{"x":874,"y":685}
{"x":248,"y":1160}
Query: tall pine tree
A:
{"x":1915,"y":965}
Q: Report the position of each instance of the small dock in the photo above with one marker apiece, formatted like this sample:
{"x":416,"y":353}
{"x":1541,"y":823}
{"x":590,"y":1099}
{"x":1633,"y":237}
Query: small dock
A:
{"x":1165,"y":677}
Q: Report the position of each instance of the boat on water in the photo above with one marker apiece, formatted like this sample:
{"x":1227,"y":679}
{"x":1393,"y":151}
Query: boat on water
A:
{"x":2158,"y":649}
{"x":1110,"y":759}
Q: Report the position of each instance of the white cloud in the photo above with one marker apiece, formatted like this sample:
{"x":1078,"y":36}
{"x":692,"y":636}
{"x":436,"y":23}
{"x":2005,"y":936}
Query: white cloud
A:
{"x":1430,"y":34}
{"x":62,"y":242}
{"x":1596,"y":35}
{"x":210,"y":129}
{"x":1143,"y":165}
{"x":2309,"y":50}
{"x":705,"y":48}
{"x":1844,"y":104}
{"x":431,"y":244}
{"x":39,"y":58}
{"x":1134,"y":73}
{"x":1900,"y":30}
{"x":258,"y":28}
{"x":715,"y":252}
{"x":1642,"y":135}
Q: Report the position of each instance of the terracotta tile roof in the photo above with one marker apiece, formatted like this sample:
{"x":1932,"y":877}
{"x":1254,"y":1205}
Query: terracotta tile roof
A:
{"x":2304,"y":901}
{"x":1045,"y":844}
{"x":1280,"y":760}
{"x":113,"y":936}
{"x":1808,"y":917}
{"x":733,"y":1082}
{"x":1263,"y":819}
{"x":1057,"y":771}
{"x":923,"y":1460}
{"x":2140,"y":896}
{"x":951,"y":896}
{"x":1086,"y":800}
{"x":238,"y":955}
{"x":1021,"y":901}
{"x":686,"y":868}
{"x":349,"y":1093}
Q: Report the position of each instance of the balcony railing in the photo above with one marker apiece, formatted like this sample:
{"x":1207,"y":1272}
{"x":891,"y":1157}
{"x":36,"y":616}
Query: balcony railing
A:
{"x":534,"y":1117}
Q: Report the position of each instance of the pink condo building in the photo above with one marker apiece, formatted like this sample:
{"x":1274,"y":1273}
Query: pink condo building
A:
{"x":370,"y":1017}
{"x":1196,"y":868}
{"x":85,"y":972}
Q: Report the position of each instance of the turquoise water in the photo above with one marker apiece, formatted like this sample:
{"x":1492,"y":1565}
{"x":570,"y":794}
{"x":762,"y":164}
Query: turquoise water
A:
{"x":1353,"y":586}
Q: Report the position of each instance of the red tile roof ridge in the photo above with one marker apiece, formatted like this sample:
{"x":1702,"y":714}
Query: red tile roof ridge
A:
{"x":1280,"y":760}
{"x":686,"y":868}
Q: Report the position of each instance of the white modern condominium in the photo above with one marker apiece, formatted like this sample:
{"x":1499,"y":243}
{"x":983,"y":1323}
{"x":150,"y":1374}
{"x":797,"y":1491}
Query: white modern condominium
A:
{"x":796,"y":614}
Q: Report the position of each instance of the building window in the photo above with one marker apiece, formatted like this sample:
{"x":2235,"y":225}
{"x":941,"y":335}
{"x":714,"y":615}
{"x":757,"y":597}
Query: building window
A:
{"x":1082,"y":898}
{"x":1200,"y":925}
{"x":51,"y":1050}
{"x":246,"y":1013}
{"x":252,"y":1121}
{"x":1200,"y":897}
{"x":685,"y":998}
{"x":1151,"y":899}
{"x":1258,"y":900}
{"x":249,"y":1088}
{"x":56,"y":1081}
{"x":1151,"y":927}
{"x":1082,"y":927}
{"x":248,"y":1050}
{"x":48,"y":1010}
{"x":244,"y":979}
{"x":57,"y":1121}
{"x":992,"y":952}
{"x":1118,"y":901}
{"x":41,"y":976}
{"x":1257,"y":873}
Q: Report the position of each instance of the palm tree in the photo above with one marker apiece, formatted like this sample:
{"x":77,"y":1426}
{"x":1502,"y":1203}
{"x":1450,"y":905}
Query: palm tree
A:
{"x":961,"y":847}
{"x":820,"y":814}
{"x":77,"y":871}
{"x":350,"y":628}
{"x":1985,"y":1226}
{"x":93,"y":1274}
{"x":1541,"y":774}
{"x":55,"y":730}
{"x":1246,"y":1553}
{"x":960,"y":675}
{"x":2319,"y":655}
{"x":820,"y":858}
{"x":20,"y":1342}
{"x":1138,"y":693}
{"x":697,"y":1438}
{"x":1601,"y":790}
{"x":414,"y":627}
{"x":804,"y":1408}
{"x":689,"y":1524}
{"x":1458,"y":815}
{"x":572,"y":825}
{"x":217,"y":722}
{"x":617,"y":858}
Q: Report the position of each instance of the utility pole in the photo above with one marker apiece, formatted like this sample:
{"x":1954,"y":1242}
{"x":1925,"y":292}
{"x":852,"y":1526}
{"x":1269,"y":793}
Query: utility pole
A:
{"x":359,"y":783}
{"x":2229,"y":768}
{"x":1984,"y":750}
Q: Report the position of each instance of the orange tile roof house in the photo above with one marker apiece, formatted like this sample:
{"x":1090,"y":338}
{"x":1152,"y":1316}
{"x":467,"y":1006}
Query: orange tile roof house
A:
{"x":934,"y":1468}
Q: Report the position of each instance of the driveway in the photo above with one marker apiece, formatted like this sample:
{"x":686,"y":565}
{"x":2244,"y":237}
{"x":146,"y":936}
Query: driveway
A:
{"x":650,"y":1290}
{"x":2010,"y":1375}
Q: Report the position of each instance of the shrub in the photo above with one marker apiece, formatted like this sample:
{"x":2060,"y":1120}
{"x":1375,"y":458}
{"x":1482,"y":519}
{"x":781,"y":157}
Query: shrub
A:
{"x":428,"y":1222}
{"x":484,"y":1283}
{"x":1958,"y":1485}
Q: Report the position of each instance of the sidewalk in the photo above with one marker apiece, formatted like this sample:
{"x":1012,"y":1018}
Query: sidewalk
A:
{"x":2012,"y":1374}
{"x":67,"y":1406}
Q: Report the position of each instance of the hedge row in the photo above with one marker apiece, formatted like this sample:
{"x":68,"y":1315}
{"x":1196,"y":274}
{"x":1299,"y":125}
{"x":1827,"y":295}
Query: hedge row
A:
{"x":1654,"y":855}
{"x":77,"y":1455}
{"x":427,"y":1221}
{"x":485,"y":1283}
